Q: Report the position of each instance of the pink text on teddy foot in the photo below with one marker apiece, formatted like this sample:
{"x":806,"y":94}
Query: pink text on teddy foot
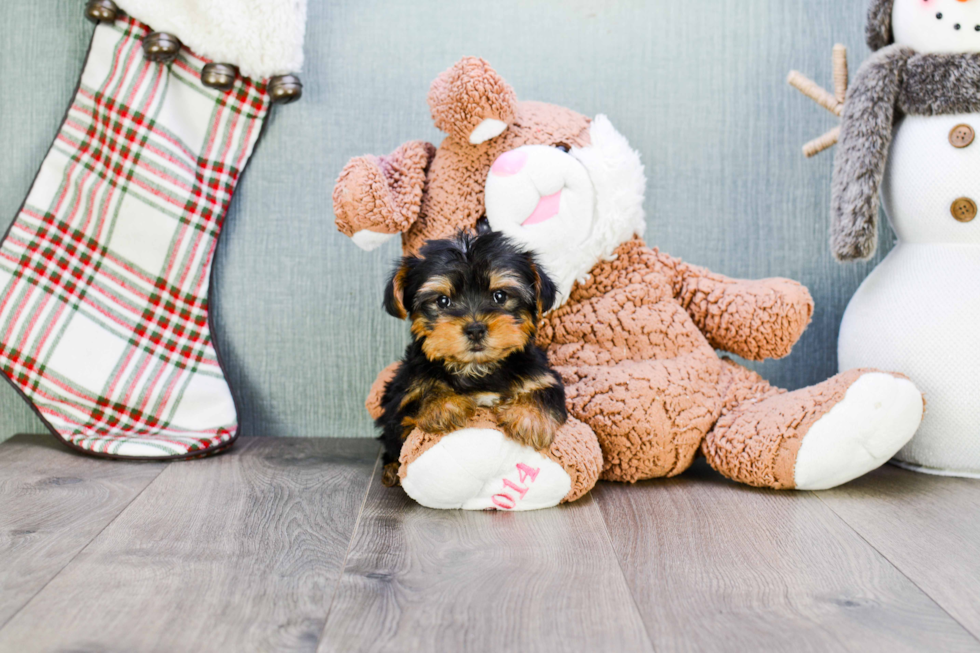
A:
{"x":505,"y":501}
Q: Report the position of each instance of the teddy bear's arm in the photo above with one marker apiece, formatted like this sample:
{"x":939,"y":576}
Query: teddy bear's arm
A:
{"x":377,"y":391}
{"x":379,"y":196}
{"x":752,"y":319}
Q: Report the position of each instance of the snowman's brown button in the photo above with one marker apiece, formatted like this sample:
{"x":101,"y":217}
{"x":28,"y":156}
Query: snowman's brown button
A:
{"x":964,"y":209}
{"x":961,"y":136}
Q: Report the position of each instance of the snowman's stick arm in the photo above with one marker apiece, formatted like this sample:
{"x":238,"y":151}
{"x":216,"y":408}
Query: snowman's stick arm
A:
{"x":825,"y":142}
{"x":840,"y":72}
{"x":815,"y":92}
{"x":832,"y":102}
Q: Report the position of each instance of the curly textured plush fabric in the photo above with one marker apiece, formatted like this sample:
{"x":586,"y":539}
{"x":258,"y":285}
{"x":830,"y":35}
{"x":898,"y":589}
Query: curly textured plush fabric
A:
{"x":635,"y":347}
{"x":455,"y":174}
{"x":377,"y":391}
{"x":382,"y":193}
{"x":635,"y":342}
{"x":467,"y":94}
{"x":761,"y":428}
{"x":574,"y":448}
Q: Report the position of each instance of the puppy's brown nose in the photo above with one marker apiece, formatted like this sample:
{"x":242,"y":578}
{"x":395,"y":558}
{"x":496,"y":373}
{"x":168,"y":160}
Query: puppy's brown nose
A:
{"x":475,"y":331}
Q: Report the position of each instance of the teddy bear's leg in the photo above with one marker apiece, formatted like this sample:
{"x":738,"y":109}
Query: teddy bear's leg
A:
{"x":650,"y":416}
{"x":479,"y":468}
{"x":814,"y":438}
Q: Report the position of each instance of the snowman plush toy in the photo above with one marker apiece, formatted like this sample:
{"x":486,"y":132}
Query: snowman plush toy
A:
{"x":909,"y":134}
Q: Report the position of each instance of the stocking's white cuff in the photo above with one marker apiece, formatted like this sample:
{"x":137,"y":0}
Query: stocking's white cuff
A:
{"x":263,"y":38}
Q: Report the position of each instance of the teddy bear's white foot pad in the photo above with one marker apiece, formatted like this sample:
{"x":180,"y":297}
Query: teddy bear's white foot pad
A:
{"x":370,"y":240}
{"x":878,"y":415}
{"x":482,"y":469}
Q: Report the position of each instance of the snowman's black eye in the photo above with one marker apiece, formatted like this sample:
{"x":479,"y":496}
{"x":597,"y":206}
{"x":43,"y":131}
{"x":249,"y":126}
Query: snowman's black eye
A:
{"x":977,"y":28}
{"x":956,"y":26}
{"x":939,"y":16}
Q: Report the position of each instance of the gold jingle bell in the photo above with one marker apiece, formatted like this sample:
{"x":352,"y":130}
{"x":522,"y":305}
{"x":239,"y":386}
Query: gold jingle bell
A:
{"x":285,"y":89}
{"x":221,"y":76}
{"x":161,"y":47}
{"x":98,"y":11}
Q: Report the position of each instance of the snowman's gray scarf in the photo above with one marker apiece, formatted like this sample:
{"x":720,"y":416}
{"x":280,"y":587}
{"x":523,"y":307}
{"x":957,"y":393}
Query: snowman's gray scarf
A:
{"x":894,"y":81}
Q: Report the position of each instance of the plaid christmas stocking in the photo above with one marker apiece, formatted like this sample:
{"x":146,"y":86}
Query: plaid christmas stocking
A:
{"x":105,"y":271}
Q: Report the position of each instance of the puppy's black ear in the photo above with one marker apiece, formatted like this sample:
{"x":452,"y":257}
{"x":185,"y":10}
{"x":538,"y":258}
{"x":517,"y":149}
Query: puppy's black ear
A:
{"x":395,"y":291}
{"x":545,"y":287}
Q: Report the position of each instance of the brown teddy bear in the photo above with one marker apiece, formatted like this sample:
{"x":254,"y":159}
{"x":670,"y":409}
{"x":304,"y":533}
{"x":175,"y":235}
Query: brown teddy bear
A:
{"x":634,"y":332}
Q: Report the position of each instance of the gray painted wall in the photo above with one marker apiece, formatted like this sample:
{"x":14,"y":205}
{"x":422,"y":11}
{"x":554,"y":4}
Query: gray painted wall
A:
{"x":697,"y":85}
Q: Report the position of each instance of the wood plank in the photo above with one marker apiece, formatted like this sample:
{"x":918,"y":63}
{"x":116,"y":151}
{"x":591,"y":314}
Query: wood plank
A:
{"x":927,"y":526}
{"x":427,"y":580}
{"x":53,"y":502}
{"x":237,"y":552}
{"x":715,"y":566}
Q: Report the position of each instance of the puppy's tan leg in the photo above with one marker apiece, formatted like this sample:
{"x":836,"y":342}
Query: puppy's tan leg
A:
{"x":444,"y":411}
{"x":534,"y":412}
{"x":527,"y":422}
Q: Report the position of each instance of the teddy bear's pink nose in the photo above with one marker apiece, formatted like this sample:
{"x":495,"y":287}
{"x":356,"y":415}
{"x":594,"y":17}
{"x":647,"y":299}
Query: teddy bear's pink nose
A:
{"x":509,"y":163}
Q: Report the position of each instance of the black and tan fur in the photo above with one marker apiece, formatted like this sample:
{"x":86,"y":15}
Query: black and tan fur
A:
{"x":474,"y":304}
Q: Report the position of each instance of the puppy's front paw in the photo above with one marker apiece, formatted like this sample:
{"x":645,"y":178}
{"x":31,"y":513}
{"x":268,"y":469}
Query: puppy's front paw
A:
{"x":528,"y":424}
{"x":445,"y":414}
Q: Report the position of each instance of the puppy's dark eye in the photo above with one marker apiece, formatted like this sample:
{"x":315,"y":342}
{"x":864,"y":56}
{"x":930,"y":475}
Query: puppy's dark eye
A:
{"x":444,"y":302}
{"x":563,"y":147}
{"x":499,"y":296}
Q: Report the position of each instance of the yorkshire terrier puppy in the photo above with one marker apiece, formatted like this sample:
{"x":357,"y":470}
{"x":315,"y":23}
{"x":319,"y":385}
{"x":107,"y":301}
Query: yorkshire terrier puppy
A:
{"x":474,"y":303}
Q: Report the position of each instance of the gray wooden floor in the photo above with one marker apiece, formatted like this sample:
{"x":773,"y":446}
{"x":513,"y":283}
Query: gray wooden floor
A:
{"x":293,"y":544}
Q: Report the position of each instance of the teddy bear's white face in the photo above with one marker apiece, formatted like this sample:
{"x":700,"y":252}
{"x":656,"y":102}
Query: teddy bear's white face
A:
{"x":569,"y":207}
{"x":937,"y":25}
{"x":542,"y":198}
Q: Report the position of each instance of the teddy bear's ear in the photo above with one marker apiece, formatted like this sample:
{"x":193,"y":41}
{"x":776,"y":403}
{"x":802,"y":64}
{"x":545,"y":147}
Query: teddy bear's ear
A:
{"x":471,"y":102}
{"x":376,"y":197}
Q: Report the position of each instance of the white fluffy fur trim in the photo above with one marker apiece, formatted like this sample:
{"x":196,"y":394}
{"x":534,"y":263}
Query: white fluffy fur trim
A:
{"x":620,"y":185}
{"x":262,"y":37}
